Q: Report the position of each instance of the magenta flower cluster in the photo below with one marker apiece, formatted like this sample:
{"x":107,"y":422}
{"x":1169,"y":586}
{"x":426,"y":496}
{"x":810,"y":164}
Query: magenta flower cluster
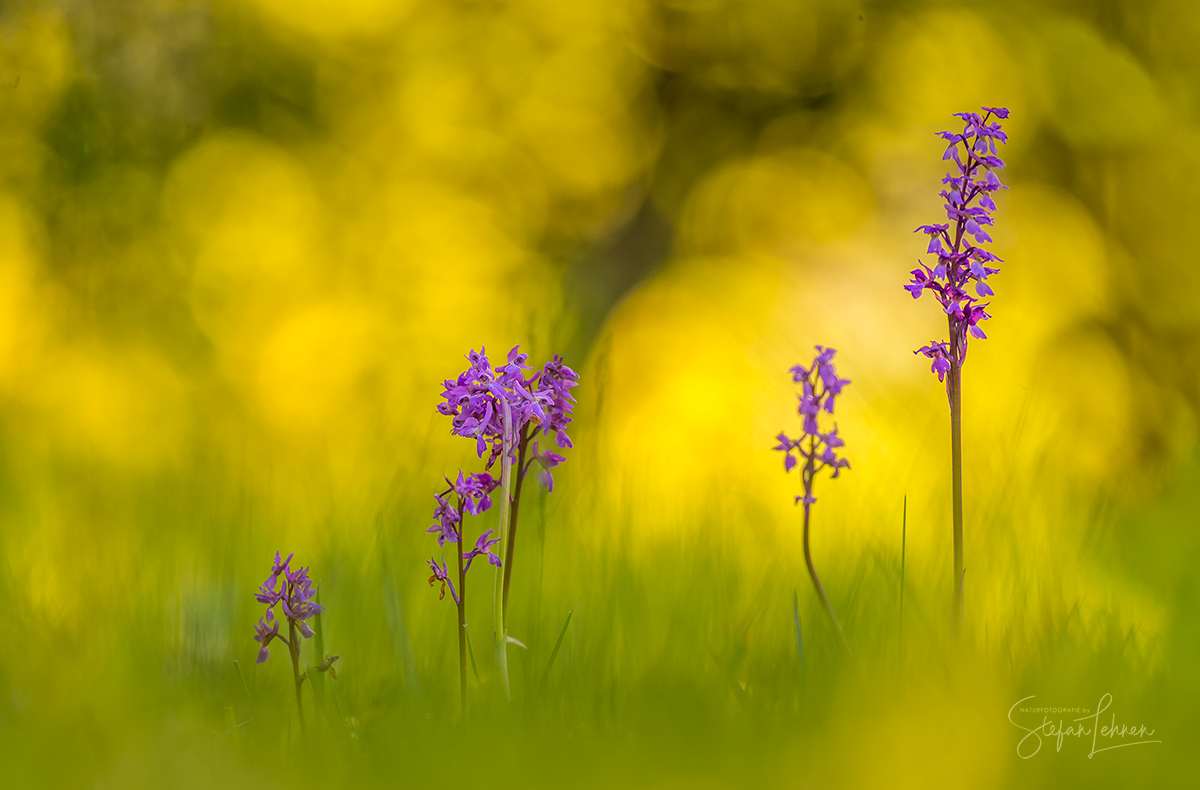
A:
{"x":474,"y":496}
{"x":294,"y":596}
{"x":477,"y":401}
{"x":542,"y":400}
{"x":820,"y":386}
{"x":962,"y":261}
{"x":473,"y":491}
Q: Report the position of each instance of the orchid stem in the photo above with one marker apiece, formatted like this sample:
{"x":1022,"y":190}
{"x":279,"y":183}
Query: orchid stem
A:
{"x":510,"y":549}
{"x":903,"y":541}
{"x":956,"y":477}
{"x":462,"y":617}
{"x":294,"y":650}
{"x":505,"y":515}
{"x":812,"y":572}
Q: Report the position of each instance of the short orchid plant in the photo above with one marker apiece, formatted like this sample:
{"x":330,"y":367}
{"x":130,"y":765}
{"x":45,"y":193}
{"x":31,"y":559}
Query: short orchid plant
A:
{"x":502,"y":410}
{"x":815,"y":450}
{"x":470,"y":494}
{"x":295,"y":597}
{"x":962,"y":261}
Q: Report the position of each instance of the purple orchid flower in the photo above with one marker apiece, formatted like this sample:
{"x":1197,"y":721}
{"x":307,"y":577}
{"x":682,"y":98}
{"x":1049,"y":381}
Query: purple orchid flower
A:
{"x":547,"y":460}
{"x":542,"y":400}
{"x":501,"y":408}
{"x":962,"y":261}
{"x":441,"y":574}
{"x":483,"y":546}
{"x":266,"y":630}
{"x":268,"y":595}
{"x":277,"y":568}
{"x":961,"y":258}
{"x":295,"y":596}
{"x":446,"y":521}
{"x":557,"y":381}
{"x":820,"y":386}
{"x":474,"y":491}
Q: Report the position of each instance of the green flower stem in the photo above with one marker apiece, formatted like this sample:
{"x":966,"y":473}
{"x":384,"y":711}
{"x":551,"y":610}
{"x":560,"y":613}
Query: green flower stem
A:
{"x":903,"y":541}
{"x":510,"y":549}
{"x":955,"y":385}
{"x":505,"y":515}
{"x":294,"y":651}
{"x":812,"y":572}
{"x":462,"y":616}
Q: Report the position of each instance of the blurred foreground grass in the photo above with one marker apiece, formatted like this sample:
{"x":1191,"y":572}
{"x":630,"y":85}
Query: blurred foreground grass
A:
{"x":679,"y":669}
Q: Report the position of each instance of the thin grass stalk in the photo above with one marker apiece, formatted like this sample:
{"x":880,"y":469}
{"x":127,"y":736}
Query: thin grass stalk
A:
{"x":554,"y":653}
{"x":249,"y":696}
{"x":799,"y":632}
{"x":317,"y":681}
{"x":471,"y":654}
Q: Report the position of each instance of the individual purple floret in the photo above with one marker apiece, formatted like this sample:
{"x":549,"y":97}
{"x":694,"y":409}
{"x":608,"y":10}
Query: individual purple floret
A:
{"x":446,"y":519}
{"x":963,"y":263}
{"x":441,"y":574}
{"x":547,"y":460}
{"x":266,"y":630}
{"x":820,"y":385}
{"x":295,"y":596}
{"x":483,"y":546}
{"x":474,"y":490}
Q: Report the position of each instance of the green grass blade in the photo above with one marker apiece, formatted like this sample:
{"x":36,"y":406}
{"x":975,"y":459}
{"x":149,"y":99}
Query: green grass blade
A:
{"x":471,"y":653}
{"x":903,"y":542}
{"x":317,"y":679}
{"x":249,"y":698}
{"x":554,"y":653}
{"x":398,"y":630}
{"x":799,"y":631}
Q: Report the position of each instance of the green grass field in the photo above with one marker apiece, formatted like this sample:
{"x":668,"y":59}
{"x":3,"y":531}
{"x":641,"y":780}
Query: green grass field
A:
{"x":678,"y":668}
